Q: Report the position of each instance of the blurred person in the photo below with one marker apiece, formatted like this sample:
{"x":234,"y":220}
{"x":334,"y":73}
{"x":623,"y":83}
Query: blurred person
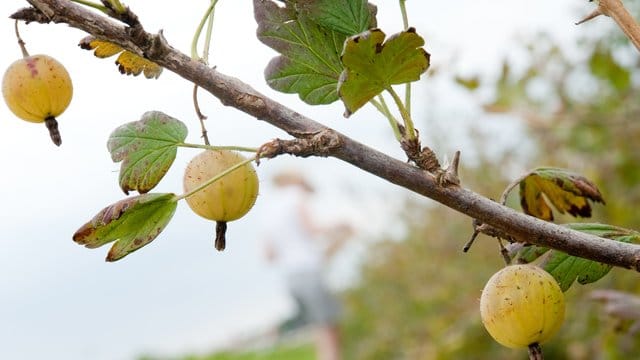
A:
{"x":291,"y":244}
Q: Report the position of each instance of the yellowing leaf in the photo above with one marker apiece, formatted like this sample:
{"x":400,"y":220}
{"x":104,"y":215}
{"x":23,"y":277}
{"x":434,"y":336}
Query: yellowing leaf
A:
{"x":566,"y":191}
{"x":104,"y":49}
{"x":372,"y":65}
{"x":128,"y":62}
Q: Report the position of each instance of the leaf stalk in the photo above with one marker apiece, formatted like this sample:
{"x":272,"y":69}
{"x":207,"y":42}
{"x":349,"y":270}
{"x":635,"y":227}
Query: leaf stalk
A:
{"x":208,"y":16}
{"x":382,"y":107}
{"x":406,"y":117}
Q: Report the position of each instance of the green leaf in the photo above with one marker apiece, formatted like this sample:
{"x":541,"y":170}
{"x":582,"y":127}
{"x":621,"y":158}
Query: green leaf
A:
{"x":348,"y":17}
{"x":565,"y":190}
{"x":147,"y":148}
{"x":373,"y":65}
{"x":309,"y":64}
{"x":132,"y":222}
{"x":530,"y":253}
{"x":309,"y":36}
{"x":566,"y":268}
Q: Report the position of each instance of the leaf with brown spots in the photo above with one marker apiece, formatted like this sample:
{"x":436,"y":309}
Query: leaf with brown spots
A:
{"x":372,"y":65}
{"x":147,"y":149}
{"x":565,"y":190}
{"x":566,"y":269}
{"x":128,"y":62}
{"x":132,"y":223}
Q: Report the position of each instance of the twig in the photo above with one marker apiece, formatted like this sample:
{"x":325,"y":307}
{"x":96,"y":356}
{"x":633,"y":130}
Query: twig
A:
{"x":616,"y":10}
{"x":200,"y":115}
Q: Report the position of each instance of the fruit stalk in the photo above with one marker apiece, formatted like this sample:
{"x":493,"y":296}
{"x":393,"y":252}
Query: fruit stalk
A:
{"x":52,"y":126}
{"x":25,"y":53}
{"x":535,"y":352}
{"x":221,"y":235}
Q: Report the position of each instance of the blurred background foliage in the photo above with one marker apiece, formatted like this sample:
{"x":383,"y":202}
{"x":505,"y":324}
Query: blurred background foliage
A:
{"x":417,"y":297}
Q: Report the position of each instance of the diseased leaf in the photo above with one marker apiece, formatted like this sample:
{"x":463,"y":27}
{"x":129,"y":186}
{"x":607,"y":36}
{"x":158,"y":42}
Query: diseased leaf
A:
{"x":132,"y":223}
{"x":373,"y":65}
{"x":566,"y":268}
{"x":348,"y":17}
{"x":128,"y":62}
{"x":147,"y":148}
{"x":565,"y":190}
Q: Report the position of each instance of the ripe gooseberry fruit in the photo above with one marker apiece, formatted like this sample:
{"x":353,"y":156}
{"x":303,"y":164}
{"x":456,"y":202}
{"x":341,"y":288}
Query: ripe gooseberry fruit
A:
{"x":522,"y":306}
{"x":226,"y":199}
{"x":37,"y":89}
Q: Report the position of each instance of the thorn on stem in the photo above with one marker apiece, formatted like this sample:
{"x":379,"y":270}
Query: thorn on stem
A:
{"x":476,"y":232}
{"x":591,"y":16}
{"x":450,"y":175}
{"x":504,"y":252}
{"x":469,"y":243}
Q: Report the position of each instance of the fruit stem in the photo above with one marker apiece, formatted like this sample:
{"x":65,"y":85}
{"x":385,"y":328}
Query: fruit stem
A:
{"x":25,"y":53}
{"x":215,"y":178}
{"x":535,"y":352}
{"x":211,"y":147}
{"x":221,"y":232}
{"x":52,"y":125}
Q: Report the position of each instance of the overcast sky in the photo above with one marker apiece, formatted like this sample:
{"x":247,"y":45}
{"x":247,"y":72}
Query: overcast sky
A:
{"x":59,"y":300}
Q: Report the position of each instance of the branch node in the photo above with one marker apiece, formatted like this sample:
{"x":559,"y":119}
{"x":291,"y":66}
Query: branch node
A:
{"x":423,"y":157}
{"x":322,"y":143}
{"x":158,"y":44}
